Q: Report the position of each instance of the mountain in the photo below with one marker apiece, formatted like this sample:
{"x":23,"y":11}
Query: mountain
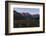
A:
{"x":25,"y":15}
{"x":18,"y":16}
{"x":36,"y":16}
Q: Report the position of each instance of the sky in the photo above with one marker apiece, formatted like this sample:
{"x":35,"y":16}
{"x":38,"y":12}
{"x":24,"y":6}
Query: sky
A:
{"x":28,"y":10}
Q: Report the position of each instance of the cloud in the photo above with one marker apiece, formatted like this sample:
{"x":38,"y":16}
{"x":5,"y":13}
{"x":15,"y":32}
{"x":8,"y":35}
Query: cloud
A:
{"x":28,"y":10}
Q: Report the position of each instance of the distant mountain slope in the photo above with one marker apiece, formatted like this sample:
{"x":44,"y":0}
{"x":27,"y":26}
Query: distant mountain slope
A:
{"x":25,"y":16}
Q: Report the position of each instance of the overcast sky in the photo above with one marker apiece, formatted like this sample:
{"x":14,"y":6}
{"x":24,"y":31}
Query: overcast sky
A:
{"x":28,"y":10}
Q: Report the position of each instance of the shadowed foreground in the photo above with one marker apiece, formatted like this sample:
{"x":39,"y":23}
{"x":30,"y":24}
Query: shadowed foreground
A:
{"x":26,"y":23}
